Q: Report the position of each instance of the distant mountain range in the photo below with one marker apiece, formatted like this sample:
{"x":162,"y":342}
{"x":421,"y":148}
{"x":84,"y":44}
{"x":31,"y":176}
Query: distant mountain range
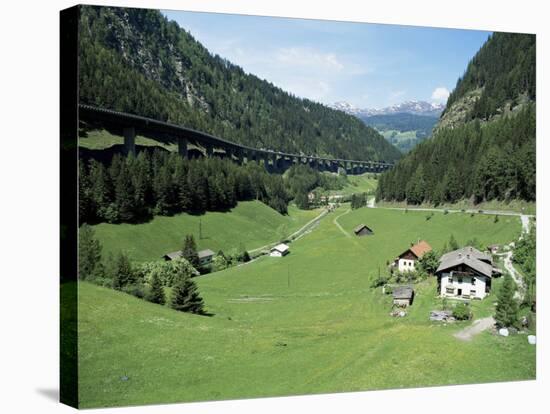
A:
{"x":410,"y":107}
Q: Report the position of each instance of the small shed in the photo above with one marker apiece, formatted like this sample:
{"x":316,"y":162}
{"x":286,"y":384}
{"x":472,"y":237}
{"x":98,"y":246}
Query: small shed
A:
{"x":279,"y":251}
{"x":363,"y":230}
{"x":205,"y":256}
{"x":403,"y":295}
{"x":172,"y":256}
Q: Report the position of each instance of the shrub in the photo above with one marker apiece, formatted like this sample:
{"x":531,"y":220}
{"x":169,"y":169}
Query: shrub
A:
{"x":445,"y":211}
{"x":462,"y":312}
{"x":169,"y":272}
{"x":506,"y":312}
{"x":380,"y":280}
{"x":244,"y":257}
{"x":137,"y":290}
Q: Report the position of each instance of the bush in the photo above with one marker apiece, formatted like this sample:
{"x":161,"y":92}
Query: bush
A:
{"x":169,"y":272}
{"x":137,"y":290}
{"x":244,"y":257}
{"x":380,"y":280}
{"x":462,"y":312}
{"x":445,"y":211}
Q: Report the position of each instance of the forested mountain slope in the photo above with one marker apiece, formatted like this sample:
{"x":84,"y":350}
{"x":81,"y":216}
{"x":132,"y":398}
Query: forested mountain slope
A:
{"x":490,"y":152}
{"x":135,"y":60}
{"x":501,"y":77}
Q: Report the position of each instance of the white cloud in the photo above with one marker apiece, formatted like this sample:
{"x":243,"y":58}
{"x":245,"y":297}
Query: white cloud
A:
{"x":440,"y":94}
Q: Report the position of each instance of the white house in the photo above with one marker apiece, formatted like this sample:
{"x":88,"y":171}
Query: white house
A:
{"x":279,"y":251}
{"x":406,"y":261}
{"x":465,"y":273}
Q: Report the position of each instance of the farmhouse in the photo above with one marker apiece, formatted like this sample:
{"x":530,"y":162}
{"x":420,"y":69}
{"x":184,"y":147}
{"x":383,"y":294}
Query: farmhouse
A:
{"x":403,"y":296}
{"x":362,"y":230}
{"x":205,"y":256}
{"x":279,"y":251}
{"x":465,"y":273}
{"x":406,"y":261}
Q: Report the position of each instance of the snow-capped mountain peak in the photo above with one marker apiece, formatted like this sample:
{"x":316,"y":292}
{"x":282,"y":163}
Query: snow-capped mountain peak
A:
{"x":411,"y":107}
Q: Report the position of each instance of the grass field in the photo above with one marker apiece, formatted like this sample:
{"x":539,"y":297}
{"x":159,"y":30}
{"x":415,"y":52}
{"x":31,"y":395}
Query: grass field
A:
{"x":250,"y":225}
{"x":99,"y":139}
{"x":306,"y":323}
{"x":363,"y":183}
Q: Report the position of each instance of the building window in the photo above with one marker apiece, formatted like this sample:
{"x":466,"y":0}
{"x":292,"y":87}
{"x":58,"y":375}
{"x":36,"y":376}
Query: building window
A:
{"x":450,"y":290}
{"x":473,"y":281}
{"x":473,"y":292}
{"x":450,"y":279}
{"x":459,"y":280}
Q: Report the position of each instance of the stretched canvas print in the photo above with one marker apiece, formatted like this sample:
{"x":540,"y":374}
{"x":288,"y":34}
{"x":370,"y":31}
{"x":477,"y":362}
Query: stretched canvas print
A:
{"x":257,"y":206}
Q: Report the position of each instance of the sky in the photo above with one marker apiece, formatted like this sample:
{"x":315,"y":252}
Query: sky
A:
{"x":367,"y":65}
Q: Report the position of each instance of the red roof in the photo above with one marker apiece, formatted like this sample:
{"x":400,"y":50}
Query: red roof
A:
{"x":419,"y":249}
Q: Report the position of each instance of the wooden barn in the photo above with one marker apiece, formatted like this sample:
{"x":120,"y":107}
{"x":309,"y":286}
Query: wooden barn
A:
{"x":403,"y":296}
{"x":363,"y":230}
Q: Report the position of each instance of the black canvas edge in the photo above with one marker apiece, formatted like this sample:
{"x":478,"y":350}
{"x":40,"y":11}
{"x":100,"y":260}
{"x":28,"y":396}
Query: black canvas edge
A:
{"x":68,"y":180}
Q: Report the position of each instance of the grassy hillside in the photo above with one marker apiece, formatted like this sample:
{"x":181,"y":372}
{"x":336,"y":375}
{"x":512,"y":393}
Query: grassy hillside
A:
{"x":404,"y":141}
{"x":307,"y":323}
{"x":99,"y":139}
{"x":403,"y":130}
{"x":251,"y":224}
{"x":363,"y":183}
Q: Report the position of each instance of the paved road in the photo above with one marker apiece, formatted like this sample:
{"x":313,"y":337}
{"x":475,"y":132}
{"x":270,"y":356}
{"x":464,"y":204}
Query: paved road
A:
{"x":526,"y":217}
{"x":475,"y":328}
{"x":297,"y":232}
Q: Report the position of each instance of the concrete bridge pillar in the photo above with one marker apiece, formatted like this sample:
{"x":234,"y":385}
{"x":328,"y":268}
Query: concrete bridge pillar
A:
{"x":182,"y":146}
{"x":129,"y":140}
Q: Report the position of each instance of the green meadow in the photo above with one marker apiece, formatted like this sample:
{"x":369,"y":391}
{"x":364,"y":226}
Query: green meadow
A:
{"x":363,"y":183}
{"x":98,"y":139}
{"x":305,"y":323}
{"x":250,"y":225}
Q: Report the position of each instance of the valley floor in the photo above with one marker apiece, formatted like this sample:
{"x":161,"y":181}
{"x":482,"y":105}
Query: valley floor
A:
{"x":305,"y":323}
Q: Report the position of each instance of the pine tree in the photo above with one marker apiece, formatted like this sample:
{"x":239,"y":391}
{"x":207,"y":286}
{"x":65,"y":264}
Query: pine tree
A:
{"x":123,"y":274}
{"x":189,"y":251}
{"x":156,"y":294}
{"x":89,"y":253}
{"x":124,"y":197}
{"x":506,"y":312}
{"x":453,"y":244}
{"x":186,"y":298}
